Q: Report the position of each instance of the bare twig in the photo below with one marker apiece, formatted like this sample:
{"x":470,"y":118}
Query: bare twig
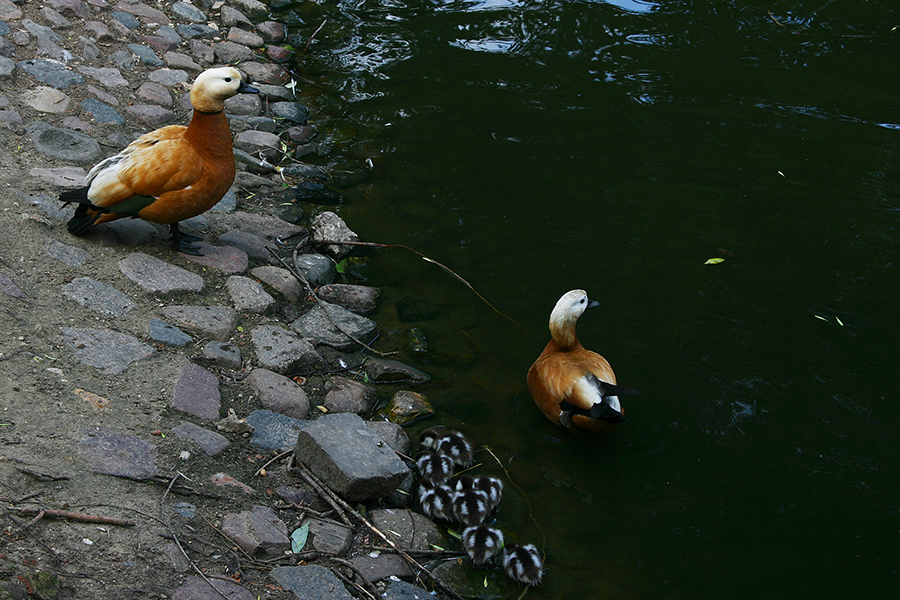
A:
{"x":352,"y":583}
{"x":65,"y":514}
{"x":277,"y":457}
{"x":527,"y":501}
{"x":309,"y":41}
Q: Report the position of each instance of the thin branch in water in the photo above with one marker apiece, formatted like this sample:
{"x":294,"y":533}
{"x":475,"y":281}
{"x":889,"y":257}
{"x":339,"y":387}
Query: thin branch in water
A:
{"x":309,"y":41}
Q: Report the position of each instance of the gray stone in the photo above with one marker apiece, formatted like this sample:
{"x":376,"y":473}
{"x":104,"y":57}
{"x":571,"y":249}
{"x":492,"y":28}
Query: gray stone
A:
{"x":63,"y":144}
{"x":329,"y":537}
{"x":259,"y":143}
{"x":251,"y":244}
{"x":194,"y":30}
{"x":283,"y":351}
{"x":212,"y":443}
{"x":170,"y":34}
{"x":361,"y":299}
{"x":291,"y":112}
{"x":100,"y":31}
{"x":155,"y":93}
{"x":273,"y":431}
{"x":146,"y":55}
{"x":169,"y":77}
{"x":122,"y":59}
{"x":261,"y":124}
{"x":384,"y":370}
{"x":109,"y":351}
{"x":163,"y":333}
{"x":335,"y":328}
{"x":177,"y":60}
{"x":98,"y":296}
{"x":113,"y":453}
{"x":281,"y":280}
{"x":41,"y":31}
{"x":150,"y":114}
{"x":391,"y":434}
{"x":252,"y":8}
{"x":75,"y":9}
{"x":230,"y":53}
{"x":46,"y":99}
{"x":400,"y":590}
{"x":146,"y":13}
{"x":406,"y":407}
{"x":245,"y":38}
{"x":382,"y":566}
{"x":327,"y":226}
{"x":251,"y":163}
{"x":318,"y":269}
{"x":224,"y":355}
{"x":347,"y":395}
{"x":50,"y":72}
{"x":188,"y":12}
{"x":155,"y":276}
{"x":265,"y":226}
{"x":265,"y":73}
{"x":55,"y":19}
{"x":130,"y":232}
{"x":311,"y":582}
{"x":70,"y":255}
{"x":248,"y":295}
{"x":129,"y":21}
{"x":107,"y":76}
{"x":279,"y":393}
{"x":226,"y":259}
{"x":197,"y":588}
{"x":273,"y":31}
{"x":228,"y":203}
{"x":341,"y":450}
{"x":215,"y":322}
{"x":257,"y":531}
{"x":197,"y":392}
{"x":231,"y":17}
{"x":102,"y":112}
{"x":273,"y":92}
{"x":304,"y":170}
{"x":159,"y":43}
{"x":413,"y":531}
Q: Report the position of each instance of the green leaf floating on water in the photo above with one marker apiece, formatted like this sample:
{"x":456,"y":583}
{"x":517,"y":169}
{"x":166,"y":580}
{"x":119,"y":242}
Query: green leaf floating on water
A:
{"x":298,"y":538}
{"x":714,"y":261}
{"x":341,"y":267}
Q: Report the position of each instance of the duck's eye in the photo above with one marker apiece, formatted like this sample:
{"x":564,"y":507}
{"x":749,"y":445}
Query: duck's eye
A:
{"x":228,"y":80}
{"x":581,"y":301}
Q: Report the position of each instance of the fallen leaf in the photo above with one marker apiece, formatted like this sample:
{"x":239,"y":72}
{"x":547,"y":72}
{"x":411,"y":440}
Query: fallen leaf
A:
{"x":714,"y":261}
{"x":298,"y":538}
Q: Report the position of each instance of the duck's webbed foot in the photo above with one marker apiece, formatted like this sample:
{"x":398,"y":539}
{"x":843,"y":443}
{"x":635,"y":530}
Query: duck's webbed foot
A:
{"x":182,"y":241}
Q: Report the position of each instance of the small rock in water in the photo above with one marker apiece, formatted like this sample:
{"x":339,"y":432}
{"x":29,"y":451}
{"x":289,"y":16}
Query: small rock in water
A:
{"x":406,"y":407}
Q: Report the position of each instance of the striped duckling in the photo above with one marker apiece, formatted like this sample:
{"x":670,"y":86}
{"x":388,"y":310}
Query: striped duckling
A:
{"x":449,"y":443}
{"x":436,"y":500}
{"x":482,"y":543}
{"x":170,"y":174}
{"x":471,"y":507}
{"x":433,"y":466}
{"x":491,"y":486}
{"x":523,"y":563}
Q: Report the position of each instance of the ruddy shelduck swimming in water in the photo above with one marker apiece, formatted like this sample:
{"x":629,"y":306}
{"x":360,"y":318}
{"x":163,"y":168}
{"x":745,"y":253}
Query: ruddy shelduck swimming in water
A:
{"x":167,"y":175}
{"x":573,"y":386}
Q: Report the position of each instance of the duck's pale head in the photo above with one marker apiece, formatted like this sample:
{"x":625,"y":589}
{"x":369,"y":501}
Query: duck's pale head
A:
{"x":565,"y":314}
{"x":214,"y":86}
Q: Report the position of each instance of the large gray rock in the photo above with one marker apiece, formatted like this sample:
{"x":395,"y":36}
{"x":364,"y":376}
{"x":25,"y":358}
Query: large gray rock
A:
{"x":329,"y":537}
{"x":63,"y":144}
{"x":281,"y":280}
{"x":257,"y":531}
{"x":279,"y":394}
{"x":347,"y":395}
{"x":283,"y":351}
{"x":248,"y":295}
{"x":330,"y":328}
{"x":197,"y":392}
{"x":109,"y":351}
{"x":328,"y":227}
{"x":349,"y":457}
{"x":413,"y":531}
{"x":361,"y":299}
{"x":385,"y":370}
{"x":311,"y":582}
{"x":98,"y":296}
{"x":155,"y":276}
{"x":216,"y":322}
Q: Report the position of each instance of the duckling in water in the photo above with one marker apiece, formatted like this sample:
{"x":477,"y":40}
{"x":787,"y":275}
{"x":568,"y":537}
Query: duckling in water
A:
{"x":575,"y":387}
{"x":482,"y":543}
{"x":436,"y":500}
{"x":449,"y":443}
{"x":471,"y":507}
{"x":491,"y":486}
{"x":433,"y":466}
{"x":523,"y":563}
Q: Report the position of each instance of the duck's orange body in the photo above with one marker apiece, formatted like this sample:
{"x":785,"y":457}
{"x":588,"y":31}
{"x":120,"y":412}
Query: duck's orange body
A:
{"x":572,"y":386}
{"x":167,"y":175}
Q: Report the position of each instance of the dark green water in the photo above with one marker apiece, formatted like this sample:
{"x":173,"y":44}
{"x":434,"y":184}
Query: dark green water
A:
{"x":538,"y":147}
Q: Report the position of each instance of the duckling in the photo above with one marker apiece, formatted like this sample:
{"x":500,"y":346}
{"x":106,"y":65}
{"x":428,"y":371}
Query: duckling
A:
{"x":167,"y":175}
{"x":457,"y":446}
{"x":429,"y":437}
{"x":433,"y":466}
{"x":523,"y":563}
{"x":470,"y":507}
{"x":436,"y":500}
{"x":575,"y":387}
{"x":482,"y":543}
{"x":491,"y":486}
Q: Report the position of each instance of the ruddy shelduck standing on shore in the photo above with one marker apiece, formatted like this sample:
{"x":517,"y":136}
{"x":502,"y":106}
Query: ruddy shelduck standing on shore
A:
{"x":573,"y":386}
{"x":167,"y":175}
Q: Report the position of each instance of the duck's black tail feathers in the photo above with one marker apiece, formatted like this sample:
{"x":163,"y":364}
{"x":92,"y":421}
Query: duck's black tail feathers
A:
{"x":81,"y":221}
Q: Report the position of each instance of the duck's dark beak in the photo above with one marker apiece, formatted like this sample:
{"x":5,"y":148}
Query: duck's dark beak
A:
{"x":247,"y":89}
{"x":593,"y":304}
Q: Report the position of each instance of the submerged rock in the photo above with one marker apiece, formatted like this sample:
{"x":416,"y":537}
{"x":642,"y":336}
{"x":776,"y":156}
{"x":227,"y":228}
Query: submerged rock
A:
{"x":406,"y":407}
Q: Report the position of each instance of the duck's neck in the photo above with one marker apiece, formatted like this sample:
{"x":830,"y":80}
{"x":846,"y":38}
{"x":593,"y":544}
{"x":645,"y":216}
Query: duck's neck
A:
{"x":563,"y":332}
{"x":209,"y":133}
